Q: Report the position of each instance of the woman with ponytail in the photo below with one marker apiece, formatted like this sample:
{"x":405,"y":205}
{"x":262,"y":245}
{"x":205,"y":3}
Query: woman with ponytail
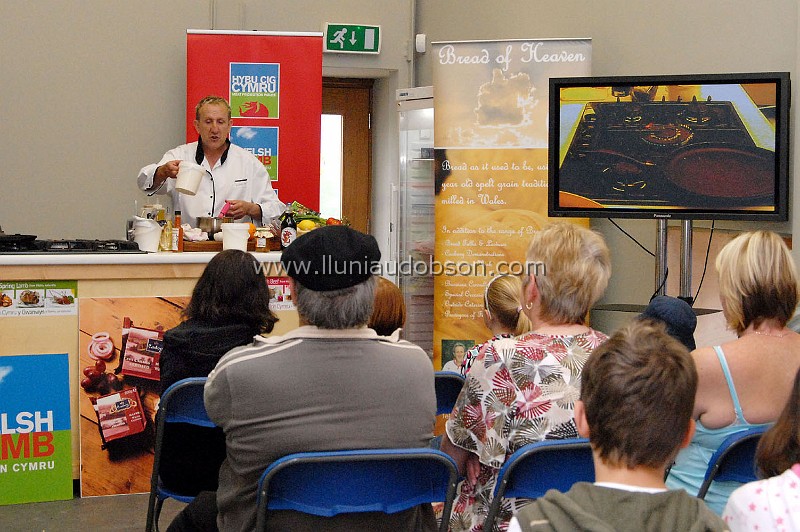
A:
{"x":502,"y":313}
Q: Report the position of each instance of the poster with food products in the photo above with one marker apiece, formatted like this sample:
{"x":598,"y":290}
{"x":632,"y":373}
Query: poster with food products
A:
{"x":119,"y":347}
{"x":38,"y":298}
{"x":490,"y":157}
{"x":280,"y":298}
{"x":35,"y":429}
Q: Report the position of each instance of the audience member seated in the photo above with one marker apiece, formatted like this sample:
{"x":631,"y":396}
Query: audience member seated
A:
{"x":743,"y":383}
{"x":773,"y":503}
{"x":389,"y":313}
{"x":502,"y":314}
{"x":228,"y":307}
{"x":677,"y":315}
{"x":636,"y":403}
{"x":330,"y":384}
{"x":523,"y":389}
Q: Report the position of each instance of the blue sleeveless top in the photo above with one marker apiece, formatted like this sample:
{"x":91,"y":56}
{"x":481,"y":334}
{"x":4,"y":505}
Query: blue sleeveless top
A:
{"x":692,"y":462}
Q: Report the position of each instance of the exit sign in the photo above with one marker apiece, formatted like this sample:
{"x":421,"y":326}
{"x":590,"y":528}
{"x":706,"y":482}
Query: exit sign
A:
{"x":352,"y":38}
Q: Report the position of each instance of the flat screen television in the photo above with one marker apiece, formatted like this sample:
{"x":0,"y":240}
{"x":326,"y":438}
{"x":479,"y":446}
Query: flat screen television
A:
{"x":705,"y":147}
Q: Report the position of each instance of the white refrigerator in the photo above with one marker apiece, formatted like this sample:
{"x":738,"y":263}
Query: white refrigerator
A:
{"x":413,"y":229}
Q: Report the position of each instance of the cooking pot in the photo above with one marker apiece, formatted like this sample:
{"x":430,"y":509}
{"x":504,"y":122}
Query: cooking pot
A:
{"x":212,"y":225}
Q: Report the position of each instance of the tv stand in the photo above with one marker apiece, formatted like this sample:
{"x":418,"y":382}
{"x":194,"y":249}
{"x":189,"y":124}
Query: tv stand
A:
{"x":685,"y":292}
{"x":661,"y":271}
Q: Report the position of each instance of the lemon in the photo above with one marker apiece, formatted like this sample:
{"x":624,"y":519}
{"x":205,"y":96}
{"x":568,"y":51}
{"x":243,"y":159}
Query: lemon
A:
{"x":306,"y":225}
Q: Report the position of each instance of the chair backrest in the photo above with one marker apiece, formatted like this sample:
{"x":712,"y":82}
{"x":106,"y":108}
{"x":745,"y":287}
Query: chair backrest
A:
{"x":372,"y":480}
{"x":734,"y":460}
{"x":537,"y":467}
{"x":181,"y":402}
{"x":448,"y":385}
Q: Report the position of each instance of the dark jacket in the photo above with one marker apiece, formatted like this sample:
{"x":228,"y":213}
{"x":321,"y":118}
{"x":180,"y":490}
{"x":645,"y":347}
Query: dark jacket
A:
{"x":191,"y":455}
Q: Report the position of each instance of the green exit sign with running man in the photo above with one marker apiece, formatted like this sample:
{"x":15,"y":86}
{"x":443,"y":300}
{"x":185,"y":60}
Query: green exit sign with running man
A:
{"x":352,"y":38}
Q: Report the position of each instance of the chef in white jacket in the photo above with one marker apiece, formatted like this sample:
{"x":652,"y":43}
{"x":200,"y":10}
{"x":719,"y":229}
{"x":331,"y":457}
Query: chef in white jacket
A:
{"x":233,"y":174}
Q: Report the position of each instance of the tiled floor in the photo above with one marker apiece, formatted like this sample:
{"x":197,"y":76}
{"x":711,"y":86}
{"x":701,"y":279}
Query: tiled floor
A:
{"x":125,"y":513}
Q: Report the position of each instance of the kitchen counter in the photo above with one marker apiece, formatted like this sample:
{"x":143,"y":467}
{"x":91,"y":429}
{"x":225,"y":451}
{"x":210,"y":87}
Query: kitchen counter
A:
{"x":149,"y":287}
{"x":32,"y":259}
{"x":69,"y":265}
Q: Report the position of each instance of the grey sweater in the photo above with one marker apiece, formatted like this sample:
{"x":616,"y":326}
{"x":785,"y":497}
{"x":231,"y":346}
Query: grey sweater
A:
{"x":315,"y":390}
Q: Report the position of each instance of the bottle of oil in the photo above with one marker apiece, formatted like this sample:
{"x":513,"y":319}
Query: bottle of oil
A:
{"x":166,"y":237}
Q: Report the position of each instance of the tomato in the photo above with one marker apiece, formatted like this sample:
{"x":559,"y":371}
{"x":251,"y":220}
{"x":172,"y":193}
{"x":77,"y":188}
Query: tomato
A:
{"x":333,"y":221}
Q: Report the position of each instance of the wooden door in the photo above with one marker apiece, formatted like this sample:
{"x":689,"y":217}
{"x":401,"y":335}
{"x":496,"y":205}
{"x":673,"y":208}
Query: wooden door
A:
{"x":352,"y":100}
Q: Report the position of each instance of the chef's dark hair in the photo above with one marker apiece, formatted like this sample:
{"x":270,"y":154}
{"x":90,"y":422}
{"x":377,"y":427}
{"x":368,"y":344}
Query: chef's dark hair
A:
{"x":232,"y":289}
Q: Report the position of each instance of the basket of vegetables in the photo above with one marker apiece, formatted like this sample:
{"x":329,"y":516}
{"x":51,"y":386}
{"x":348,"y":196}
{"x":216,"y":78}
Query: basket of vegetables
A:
{"x":305,"y":218}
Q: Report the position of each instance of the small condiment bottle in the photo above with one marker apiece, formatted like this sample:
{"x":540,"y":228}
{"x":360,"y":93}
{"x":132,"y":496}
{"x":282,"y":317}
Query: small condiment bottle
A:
{"x":177,"y":233}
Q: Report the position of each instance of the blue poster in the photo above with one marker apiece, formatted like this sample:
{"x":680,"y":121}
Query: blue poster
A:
{"x":35,"y":430}
{"x":261,"y":142}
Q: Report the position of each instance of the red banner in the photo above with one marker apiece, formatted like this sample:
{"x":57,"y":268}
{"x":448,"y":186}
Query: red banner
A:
{"x":273,"y":82}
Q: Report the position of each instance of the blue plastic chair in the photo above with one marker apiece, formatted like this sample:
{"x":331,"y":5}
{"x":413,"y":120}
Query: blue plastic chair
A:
{"x":537,"y":467}
{"x":448,"y":385}
{"x":182,"y":402}
{"x":372,"y":480}
{"x":734,"y":460}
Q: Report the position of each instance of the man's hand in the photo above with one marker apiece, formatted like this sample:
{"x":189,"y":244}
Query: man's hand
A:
{"x":168,"y":170}
{"x":241,"y":208}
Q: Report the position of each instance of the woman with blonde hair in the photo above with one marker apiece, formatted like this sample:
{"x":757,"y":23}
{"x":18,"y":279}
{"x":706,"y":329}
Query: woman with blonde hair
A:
{"x":522,"y":390}
{"x":743,"y":383}
{"x":502,"y":313}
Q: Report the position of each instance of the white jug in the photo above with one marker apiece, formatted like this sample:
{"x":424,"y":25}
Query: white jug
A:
{"x":146,"y":233}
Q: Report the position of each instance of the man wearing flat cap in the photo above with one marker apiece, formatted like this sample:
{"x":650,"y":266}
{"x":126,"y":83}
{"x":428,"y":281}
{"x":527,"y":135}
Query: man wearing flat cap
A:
{"x":330,"y":384}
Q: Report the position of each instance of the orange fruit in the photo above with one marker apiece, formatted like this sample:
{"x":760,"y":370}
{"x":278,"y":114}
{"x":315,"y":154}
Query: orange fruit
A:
{"x":252,"y":230}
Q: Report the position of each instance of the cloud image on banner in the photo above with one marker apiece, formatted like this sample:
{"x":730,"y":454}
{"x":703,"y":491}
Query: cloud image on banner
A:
{"x":261,"y":142}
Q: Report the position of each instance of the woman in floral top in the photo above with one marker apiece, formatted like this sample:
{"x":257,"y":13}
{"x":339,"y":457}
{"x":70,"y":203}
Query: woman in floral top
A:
{"x":523,"y":390}
{"x":502,"y":314}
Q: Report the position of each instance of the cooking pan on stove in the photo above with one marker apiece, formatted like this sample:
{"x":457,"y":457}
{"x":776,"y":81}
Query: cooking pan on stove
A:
{"x":724,"y":171}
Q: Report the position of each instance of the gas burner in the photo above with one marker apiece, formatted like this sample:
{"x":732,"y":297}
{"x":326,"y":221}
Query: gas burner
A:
{"x":89,"y":246}
{"x":66,"y":246}
{"x":667,"y":134}
{"x":624,"y":187}
{"x":632,"y":115}
{"x":696,"y":112}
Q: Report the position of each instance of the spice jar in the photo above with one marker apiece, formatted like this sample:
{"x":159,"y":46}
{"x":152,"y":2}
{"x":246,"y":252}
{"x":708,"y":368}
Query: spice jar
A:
{"x":263,"y":235}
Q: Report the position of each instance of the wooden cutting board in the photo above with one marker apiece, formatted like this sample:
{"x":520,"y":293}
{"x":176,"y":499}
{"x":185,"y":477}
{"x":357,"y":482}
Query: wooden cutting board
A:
{"x":211,"y":246}
{"x":273,"y":244}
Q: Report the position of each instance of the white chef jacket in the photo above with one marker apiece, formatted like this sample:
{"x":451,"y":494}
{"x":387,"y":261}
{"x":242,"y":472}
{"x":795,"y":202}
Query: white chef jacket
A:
{"x":238,"y":175}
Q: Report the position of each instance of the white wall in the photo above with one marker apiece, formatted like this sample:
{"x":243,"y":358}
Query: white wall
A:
{"x":92,"y":90}
{"x":644,"y":37}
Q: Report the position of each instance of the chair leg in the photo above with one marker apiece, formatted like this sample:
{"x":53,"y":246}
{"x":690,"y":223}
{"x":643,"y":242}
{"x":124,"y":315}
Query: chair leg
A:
{"x":159,"y":504}
{"x":151,"y":507}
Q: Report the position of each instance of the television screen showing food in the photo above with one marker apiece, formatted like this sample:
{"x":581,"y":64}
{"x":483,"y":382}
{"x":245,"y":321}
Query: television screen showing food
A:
{"x":709,"y":146}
